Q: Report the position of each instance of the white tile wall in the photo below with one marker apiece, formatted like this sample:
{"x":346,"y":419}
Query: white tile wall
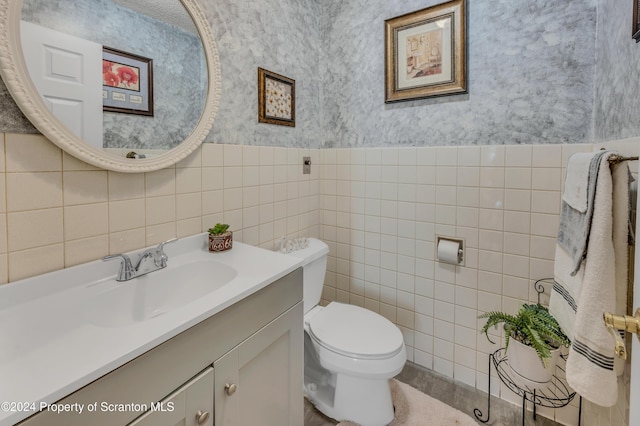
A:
{"x":503,"y":200}
{"x":379,"y":209}
{"x":64,"y":212}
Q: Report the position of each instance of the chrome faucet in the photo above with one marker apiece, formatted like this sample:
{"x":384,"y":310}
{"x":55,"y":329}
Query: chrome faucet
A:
{"x":127,"y":271}
{"x":148,"y":261}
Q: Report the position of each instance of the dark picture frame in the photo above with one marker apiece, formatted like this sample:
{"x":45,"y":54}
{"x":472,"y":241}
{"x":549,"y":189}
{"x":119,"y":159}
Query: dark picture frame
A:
{"x":635,"y":32}
{"x":276,"y":99}
{"x":127,"y":82}
{"x":425,"y":53}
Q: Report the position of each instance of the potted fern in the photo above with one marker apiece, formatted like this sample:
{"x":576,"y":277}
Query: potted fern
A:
{"x":533,"y":339}
{"x":220,"y":238}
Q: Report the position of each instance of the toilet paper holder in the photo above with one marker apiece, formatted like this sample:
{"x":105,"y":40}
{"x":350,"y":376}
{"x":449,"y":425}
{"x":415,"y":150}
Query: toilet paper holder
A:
{"x":449,"y":242}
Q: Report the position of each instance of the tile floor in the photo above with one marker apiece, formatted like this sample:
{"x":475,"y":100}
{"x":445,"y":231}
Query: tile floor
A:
{"x":460,"y":396}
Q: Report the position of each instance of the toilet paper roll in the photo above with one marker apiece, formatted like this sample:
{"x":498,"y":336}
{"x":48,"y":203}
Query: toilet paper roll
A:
{"x":449,"y":251}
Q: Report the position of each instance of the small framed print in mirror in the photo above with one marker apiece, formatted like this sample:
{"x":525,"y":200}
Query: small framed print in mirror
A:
{"x":635,"y":33}
{"x":276,"y":99}
{"x":127,"y":82}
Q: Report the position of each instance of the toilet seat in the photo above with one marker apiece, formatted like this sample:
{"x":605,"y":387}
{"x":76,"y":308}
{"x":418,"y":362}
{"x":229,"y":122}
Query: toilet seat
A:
{"x":355,"y":332}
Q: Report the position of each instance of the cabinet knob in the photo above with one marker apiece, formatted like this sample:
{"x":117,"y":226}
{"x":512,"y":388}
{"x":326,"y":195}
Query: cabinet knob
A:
{"x":202,"y":417}
{"x":230,"y":388}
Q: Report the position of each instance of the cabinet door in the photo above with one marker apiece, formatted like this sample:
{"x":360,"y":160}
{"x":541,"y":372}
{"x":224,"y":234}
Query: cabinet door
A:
{"x":259,"y":382}
{"x":189,"y":405}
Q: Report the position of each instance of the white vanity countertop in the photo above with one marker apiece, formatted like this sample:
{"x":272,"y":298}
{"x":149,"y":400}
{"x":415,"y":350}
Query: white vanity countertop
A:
{"x":48,"y":348}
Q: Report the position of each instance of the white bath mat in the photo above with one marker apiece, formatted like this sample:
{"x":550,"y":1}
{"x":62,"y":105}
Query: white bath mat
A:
{"x":414,"y":408}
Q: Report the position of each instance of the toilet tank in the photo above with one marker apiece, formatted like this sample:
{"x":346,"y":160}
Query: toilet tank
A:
{"x":313,"y":271}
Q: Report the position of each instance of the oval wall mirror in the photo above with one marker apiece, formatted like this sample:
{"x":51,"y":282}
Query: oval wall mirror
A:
{"x":105,"y":78}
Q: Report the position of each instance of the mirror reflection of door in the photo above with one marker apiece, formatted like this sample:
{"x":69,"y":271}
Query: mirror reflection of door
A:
{"x":70,"y":78}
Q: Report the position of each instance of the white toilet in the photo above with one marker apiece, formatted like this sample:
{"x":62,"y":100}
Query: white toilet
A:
{"x":350,"y":352}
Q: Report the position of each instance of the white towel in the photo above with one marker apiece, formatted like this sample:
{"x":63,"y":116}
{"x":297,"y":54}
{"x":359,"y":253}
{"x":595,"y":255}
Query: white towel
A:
{"x":575,"y":226}
{"x":576,"y":181}
{"x":578,"y":301}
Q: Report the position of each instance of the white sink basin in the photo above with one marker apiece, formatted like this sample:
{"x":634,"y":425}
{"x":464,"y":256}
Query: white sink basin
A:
{"x":149,"y":296}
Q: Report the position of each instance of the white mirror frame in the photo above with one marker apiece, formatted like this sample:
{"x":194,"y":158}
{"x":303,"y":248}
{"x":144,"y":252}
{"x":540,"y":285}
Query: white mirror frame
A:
{"x":16,"y":77}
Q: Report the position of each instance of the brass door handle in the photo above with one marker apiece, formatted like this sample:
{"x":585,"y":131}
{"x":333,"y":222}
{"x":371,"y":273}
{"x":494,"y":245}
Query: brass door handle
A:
{"x":623,"y":322}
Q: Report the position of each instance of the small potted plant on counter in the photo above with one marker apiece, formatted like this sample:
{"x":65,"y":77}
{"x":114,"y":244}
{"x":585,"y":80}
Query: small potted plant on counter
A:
{"x":220,"y":238}
{"x":533,"y":339}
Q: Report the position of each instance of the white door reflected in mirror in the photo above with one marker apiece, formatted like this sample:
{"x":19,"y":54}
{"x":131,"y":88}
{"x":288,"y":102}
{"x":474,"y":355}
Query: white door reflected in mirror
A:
{"x":69,"y":78}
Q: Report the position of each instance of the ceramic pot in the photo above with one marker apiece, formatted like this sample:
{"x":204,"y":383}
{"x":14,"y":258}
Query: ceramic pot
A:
{"x":527,"y":368}
{"x":220,"y":242}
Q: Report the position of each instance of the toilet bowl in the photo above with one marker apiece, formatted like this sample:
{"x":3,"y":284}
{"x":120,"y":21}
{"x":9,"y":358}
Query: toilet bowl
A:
{"x":350,"y":352}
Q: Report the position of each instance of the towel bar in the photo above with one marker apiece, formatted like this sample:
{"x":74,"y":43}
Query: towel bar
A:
{"x":614,"y":159}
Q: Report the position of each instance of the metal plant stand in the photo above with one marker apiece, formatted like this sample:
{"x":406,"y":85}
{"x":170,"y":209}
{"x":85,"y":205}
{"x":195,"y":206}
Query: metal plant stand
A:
{"x":555,"y":394}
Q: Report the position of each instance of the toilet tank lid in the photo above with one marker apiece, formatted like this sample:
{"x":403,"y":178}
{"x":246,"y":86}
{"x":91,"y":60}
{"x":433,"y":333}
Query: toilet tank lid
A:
{"x":315,"y":250}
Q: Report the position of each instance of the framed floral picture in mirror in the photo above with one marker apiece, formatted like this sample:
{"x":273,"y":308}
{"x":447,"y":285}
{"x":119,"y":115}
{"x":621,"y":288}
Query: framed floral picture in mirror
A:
{"x":276,"y":99}
{"x":127,"y":82}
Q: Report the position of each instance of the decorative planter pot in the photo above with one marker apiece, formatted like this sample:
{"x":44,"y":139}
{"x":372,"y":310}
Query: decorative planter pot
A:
{"x":221,"y":242}
{"x":527,"y":368}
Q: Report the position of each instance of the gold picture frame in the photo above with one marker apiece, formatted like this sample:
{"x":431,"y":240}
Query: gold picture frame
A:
{"x":276,"y":99}
{"x":425,"y":53}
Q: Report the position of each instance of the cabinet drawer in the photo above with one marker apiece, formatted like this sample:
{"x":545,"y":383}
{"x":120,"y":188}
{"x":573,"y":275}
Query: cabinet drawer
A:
{"x":191,"y":404}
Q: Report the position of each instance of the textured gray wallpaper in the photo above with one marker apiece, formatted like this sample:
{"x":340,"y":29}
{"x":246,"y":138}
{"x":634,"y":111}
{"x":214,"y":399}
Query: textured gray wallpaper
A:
{"x":282,"y":36}
{"x":531,"y":72}
{"x":11,"y":118}
{"x":617,"y":110}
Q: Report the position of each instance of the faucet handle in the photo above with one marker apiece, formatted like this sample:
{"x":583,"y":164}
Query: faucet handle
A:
{"x":162,"y":244}
{"x":127,"y":271}
{"x":161,"y":259}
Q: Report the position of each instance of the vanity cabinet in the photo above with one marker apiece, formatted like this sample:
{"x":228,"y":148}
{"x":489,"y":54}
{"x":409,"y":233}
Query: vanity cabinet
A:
{"x":257,"y":382}
{"x":243,"y":366}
